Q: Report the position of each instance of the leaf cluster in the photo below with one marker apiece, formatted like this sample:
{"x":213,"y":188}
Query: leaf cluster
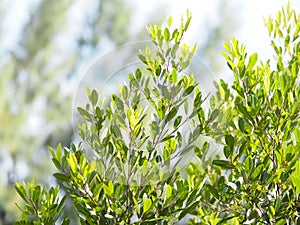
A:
{"x":128,"y":169}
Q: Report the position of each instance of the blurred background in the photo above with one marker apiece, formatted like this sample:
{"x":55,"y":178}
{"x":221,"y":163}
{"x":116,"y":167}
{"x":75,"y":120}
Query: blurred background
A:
{"x":47,"y":45}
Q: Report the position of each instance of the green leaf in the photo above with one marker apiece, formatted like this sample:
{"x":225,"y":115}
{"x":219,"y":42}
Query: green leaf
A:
{"x":174,"y":48}
{"x":36,"y":193}
{"x":109,"y":188}
{"x":171,"y":114}
{"x":252,"y":61}
{"x":59,"y":152}
{"x":295,"y":176}
{"x":277,"y":204}
{"x":85,"y":114}
{"x":21,"y":191}
{"x":177,"y":121}
{"x":167,"y":34}
{"x":94,"y":97}
{"x":118,"y":102}
{"x":186,"y":107}
{"x":147,"y":204}
{"x":242,"y":109}
{"x":152,"y":32}
{"x":248,"y":165}
{"x":154,"y":128}
{"x":168,"y":191}
{"x":198,"y":100}
{"x":72,"y":161}
{"x":189,"y":209}
{"x":241,"y":125}
{"x":169,"y":21}
{"x":88,"y":91}
{"x":257,"y":171}
{"x":142,"y":58}
{"x":214,"y":114}
{"x":138,"y":210}
{"x":61,"y":176}
{"x":187,"y":23}
{"x":229,"y":140}
{"x":223,"y":164}
{"x":297,"y":134}
{"x":227,"y":151}
{"x":213,"y":191}
{"x":189,"y":90}
{"x":185,"y":64}
{"x":56,"y":163}
{"x":165,"y":92}
{"x":166,"y":154}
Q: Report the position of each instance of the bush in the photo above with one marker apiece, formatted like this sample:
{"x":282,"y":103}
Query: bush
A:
{"x":129,"y":167}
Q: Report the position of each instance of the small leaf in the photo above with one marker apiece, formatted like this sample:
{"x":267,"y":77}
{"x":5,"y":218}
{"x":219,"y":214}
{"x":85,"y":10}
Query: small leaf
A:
{"x":187,"y":23}
{"x":94,"y":97}
{"x":138,"y":210}
{"x":227,"y":151}
{"x":177,"y":121}
{"x":242,"y":109}
{"x":167,"y":34}
{"x":154,"y":128}
{"x":248,"y":165}
{"x":169,"y":21}
{"x":147,"y":204}
{"x":241,"y":125}
{"x":213,"y":190}
{"x":295,"y":177}
{"x":168,"y":191}
{"x":171,"y":114}
{"x":166,"y":154}
{"x":186,"y":107}
{"x":85,"y":114}
{"x":72,"y":162}
{"x":252,"y":61}
{"x":214,"y":114}
{"x":277,"y":203}
{"x":174,"y":48}
{"x":189,"y":90}
{"x":61,"y":176}
{"x":223,"y":164}
{"x":21,"y":191}
{"x":59,"y":152}
{"x":257,"y":171}
{"x":56,"y":163}
{"x":108,"y":189}
{"x":168,"y":137}
{"x":229,"y":140}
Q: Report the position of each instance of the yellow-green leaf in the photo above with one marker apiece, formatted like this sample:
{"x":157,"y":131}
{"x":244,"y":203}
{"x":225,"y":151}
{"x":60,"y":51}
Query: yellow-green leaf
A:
{"x":147,"y":204}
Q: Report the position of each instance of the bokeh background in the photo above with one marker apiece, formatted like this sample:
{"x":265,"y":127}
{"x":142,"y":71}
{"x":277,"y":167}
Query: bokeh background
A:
{"x":46,"y":47}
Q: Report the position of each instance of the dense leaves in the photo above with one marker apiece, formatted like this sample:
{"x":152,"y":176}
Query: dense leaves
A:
{"x":259,"y":183}
{"x":130,"y":169}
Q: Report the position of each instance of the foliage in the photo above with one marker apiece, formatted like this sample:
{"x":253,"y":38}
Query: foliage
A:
{"x":127,"y":170}
{"x":46,"y":205}
{"x":130,"y":179}
{"x":35,"y":106}
{"x":258,"y":180}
